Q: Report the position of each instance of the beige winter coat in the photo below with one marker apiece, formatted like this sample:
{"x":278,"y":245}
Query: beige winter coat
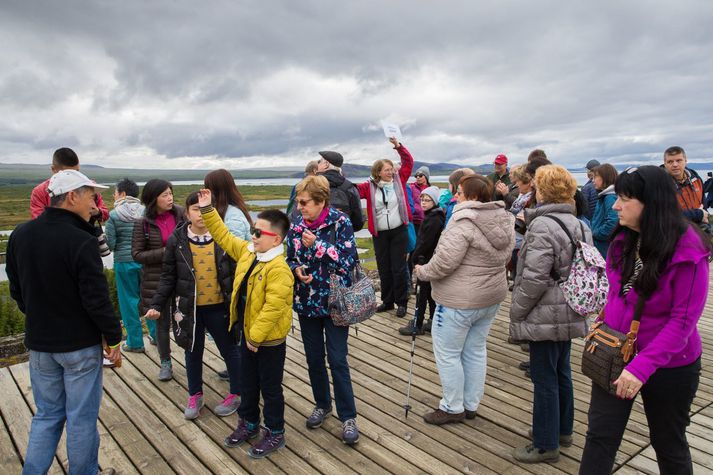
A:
{"x":467,"y":270}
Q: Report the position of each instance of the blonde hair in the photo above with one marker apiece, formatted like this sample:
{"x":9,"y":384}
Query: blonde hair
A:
{"x":378,"y":166}
{"x":554,"y":184}
{"x":519,"y":173}
{"x":316,"y":186}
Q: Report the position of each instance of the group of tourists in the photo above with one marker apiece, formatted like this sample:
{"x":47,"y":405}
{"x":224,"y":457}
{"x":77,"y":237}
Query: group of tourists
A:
{"x":207,"y":267}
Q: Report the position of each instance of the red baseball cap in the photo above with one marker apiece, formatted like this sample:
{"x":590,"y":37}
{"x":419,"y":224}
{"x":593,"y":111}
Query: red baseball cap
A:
{"x":501,"y":160}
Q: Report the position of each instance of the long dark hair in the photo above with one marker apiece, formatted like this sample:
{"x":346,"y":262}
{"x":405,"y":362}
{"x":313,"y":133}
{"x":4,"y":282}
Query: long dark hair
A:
{"x":222,"y":185}
{"x":660,"y":227}
{"x":152,"y":190}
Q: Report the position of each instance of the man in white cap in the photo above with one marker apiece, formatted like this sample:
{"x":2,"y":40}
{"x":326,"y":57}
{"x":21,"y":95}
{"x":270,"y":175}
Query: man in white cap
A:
{"x":56,"y":277}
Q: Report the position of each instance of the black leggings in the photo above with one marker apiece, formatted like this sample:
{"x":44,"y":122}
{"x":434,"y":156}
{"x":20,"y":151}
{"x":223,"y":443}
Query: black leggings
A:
{"x":667,"y":397}
{"x":390,"y":250}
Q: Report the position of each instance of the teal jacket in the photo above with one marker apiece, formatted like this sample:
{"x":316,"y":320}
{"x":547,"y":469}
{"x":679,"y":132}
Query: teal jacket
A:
{"x":120,"y":226}
{"x":604,"y":220}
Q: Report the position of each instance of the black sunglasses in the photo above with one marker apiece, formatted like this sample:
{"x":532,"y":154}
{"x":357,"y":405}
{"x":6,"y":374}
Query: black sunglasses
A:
{"x":259,"y":232}
{"x":418,"y":175}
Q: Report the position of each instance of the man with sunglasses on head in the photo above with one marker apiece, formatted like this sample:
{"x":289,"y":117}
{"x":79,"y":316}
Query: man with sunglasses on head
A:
{"x":689,"y":186}
{"x":343,"y":195}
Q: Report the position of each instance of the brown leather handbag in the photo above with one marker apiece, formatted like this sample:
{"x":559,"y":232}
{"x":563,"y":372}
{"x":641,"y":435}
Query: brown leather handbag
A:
{"x":608,"y":351}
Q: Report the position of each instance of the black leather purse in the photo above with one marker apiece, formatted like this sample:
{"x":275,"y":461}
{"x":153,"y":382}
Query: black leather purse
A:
{"x":608,"y":351}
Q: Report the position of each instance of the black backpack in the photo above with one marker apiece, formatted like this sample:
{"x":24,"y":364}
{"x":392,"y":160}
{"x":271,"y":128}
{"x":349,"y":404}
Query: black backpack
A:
{"x":342,"y":197}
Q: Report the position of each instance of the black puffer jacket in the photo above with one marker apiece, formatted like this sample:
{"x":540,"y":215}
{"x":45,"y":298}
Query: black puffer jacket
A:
{"x":147,"y":249}
{"x":429,"y":234}
{"x":178,"y":284}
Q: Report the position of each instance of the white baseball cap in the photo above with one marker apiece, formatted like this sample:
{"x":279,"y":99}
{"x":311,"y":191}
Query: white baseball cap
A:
{"x":69,"y":180}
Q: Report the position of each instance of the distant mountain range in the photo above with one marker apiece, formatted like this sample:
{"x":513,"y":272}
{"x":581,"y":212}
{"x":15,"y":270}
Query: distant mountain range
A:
{"x":24,"y":174}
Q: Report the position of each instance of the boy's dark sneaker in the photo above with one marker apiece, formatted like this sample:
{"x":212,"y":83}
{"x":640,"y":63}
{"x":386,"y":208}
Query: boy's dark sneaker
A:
{"x":350,"y":432}
{"x":401,"y":311}
{"x":440,"y":417}
{"x":384,"y":307}
{"x":268,"y":444}
{"x":317,"y":417}
{"x":241,"y":434}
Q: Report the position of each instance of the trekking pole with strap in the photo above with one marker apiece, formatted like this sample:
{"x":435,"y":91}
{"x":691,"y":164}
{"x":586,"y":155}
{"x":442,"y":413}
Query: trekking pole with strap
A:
{"x":414,"y":328}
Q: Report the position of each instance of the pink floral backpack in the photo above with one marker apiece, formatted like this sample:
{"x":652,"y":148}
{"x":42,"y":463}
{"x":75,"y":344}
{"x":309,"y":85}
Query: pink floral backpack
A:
{"x":585,"y":288}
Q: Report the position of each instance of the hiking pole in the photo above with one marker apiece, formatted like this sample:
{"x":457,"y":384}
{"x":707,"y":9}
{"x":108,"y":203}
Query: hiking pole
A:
{"x":414,"y":330}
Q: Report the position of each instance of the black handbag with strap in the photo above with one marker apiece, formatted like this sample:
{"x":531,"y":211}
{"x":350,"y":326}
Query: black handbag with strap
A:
{"x":608,"y":351}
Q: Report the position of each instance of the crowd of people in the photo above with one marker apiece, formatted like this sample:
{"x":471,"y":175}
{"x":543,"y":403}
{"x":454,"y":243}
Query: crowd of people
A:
{"x":208,"y":268}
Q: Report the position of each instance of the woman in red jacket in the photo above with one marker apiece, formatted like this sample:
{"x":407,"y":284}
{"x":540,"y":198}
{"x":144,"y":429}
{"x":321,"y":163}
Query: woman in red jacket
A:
{"x":388,"y":215}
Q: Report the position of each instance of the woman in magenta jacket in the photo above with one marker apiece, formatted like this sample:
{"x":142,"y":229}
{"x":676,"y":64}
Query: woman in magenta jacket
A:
{"x":657,"y":255}
{"x":388,"y":215}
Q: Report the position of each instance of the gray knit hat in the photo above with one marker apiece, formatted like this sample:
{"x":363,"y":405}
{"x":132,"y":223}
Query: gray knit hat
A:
{"x":434,"y":192}
{"x":424,"y":170}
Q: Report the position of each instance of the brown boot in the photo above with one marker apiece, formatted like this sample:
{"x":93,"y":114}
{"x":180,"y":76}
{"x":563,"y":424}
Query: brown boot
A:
{"x":439,"y":417}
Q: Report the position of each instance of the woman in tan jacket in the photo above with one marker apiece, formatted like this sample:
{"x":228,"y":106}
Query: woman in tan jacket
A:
{"x":467,"y":275}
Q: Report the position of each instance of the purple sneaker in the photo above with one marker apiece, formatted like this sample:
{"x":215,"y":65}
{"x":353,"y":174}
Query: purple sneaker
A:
{"x":241,"y":434}
{"x":268,"y":444}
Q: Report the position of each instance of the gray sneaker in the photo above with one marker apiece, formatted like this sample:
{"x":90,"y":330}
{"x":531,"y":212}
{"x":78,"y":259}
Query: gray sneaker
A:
{"x":531,"y":454}
{"x":228,"y":406}
{"x":565,"y":440}
{"x":350,"y":432}
{"x":193,"y":408}
{"x":317,"y":417}
{"x":166,"y":372}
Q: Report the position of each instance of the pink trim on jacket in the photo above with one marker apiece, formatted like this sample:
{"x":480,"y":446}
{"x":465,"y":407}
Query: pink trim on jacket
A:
{"x":367,"y":189}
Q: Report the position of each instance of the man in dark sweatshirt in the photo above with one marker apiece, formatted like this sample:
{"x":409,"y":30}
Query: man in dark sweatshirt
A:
{"x":56,"y":277}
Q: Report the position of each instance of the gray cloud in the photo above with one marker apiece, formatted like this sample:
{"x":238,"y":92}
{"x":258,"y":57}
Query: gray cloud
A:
{"x":171,"y":83}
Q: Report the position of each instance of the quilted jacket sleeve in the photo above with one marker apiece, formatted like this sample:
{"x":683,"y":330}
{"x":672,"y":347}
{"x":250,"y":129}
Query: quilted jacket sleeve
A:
{"x":452,"y":246}
{"x":232,"y":245}
{"x":537,"y":257}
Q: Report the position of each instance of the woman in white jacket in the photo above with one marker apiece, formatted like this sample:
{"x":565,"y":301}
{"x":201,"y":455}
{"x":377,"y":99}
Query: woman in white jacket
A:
{"x":467,"y":275}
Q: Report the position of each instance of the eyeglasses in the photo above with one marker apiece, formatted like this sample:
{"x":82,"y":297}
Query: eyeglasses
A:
{"x":426,"y":198}
{"x":303,"y":203}
{"x":259,"y":232}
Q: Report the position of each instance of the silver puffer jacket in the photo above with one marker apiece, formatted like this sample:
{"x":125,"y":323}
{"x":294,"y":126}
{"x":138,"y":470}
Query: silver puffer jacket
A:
{"x":539,"y":311}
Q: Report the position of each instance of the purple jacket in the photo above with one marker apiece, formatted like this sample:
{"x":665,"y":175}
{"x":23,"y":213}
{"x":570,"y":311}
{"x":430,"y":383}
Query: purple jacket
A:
{"x":668,"y":336}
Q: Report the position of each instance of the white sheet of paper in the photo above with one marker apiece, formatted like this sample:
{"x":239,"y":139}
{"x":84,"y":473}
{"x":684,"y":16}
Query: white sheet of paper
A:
{"x":392,"y":130}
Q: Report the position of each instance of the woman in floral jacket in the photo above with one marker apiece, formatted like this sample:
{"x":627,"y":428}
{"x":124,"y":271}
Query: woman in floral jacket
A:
{"x":320,"y":243}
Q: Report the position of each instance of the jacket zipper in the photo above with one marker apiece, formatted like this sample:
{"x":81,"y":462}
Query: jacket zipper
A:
{"x":195,"y":292}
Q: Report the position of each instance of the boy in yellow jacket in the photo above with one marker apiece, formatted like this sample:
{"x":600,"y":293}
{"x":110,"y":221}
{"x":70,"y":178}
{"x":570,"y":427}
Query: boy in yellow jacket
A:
{"x":261,"y":306}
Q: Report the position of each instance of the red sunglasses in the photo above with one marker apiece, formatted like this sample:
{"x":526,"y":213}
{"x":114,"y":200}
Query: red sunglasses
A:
{"x":259,"y":232}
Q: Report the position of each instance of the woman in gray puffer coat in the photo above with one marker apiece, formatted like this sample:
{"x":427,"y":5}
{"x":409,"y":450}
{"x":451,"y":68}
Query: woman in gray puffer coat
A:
{"x":539,"y":313}
{"x":467,"y":275}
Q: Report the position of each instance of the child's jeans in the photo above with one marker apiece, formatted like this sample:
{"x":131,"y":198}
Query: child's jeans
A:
{"x":261,"y":372}
{"x":215,"y":319}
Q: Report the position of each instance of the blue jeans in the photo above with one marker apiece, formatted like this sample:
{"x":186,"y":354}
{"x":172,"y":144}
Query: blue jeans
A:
{"x":461,"y":356}
{"x":128,"y":285}
{"x":66,"y":387}
{"x":553,"y":404}
{"x":314,"y":330}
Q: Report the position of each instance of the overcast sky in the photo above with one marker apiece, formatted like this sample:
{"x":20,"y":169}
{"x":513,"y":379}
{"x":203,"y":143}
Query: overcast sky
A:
{"x":185,"y":84}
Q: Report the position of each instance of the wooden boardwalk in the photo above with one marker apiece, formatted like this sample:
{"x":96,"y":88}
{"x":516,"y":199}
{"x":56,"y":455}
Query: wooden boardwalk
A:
{"x":143,"y":431}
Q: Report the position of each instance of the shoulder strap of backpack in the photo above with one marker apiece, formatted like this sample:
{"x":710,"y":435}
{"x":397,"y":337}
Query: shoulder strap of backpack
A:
{"x":554,"y":273}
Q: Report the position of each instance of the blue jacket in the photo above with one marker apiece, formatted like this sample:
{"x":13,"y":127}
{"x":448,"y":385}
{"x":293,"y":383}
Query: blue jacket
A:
{"x":334,"y":251}
{"x":119,"y":228}
{"x":590,"y":193}
{"x":237,"y":223}
{"x":604,"y":220}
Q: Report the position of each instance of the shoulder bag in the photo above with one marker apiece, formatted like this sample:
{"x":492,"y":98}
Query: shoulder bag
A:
{"x":608,"y":351}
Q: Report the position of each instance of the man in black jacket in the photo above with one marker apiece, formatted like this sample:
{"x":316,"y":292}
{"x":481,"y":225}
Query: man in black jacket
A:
{"x":56,"y":276}
{"x":343,"y":195}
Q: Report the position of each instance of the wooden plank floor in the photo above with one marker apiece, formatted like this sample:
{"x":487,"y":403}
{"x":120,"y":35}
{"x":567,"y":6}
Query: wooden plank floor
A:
{"x":143,"y":431}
